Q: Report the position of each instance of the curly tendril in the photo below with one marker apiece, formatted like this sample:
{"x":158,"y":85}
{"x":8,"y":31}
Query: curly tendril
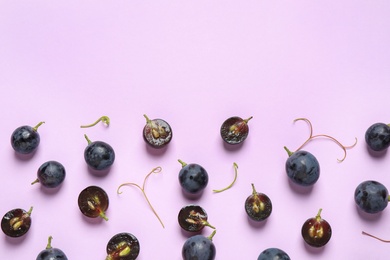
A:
{"x":311,"y":137}
{"x":154,"y":170}
{"x":104,"y":119}
{"x":380,"y":239}
{"x":234,"y":180}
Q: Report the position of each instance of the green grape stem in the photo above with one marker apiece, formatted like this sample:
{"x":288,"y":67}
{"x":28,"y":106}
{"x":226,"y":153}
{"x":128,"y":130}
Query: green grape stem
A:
{"x":212,"y":235}
{"x":35,"y":128}
{"x":183,"y":164}
{"x":86,"y":137}
{"x":49,"y":242}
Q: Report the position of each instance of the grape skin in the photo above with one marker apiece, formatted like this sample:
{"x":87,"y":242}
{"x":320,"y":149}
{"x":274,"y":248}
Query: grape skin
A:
{"x":378,"y":137}
{"x":52,"y":254}
{"x":198,"y":247}
{"x":99,"y":155}
{"x":371,"y":196}
{"x":273,"y":254}
{"x":25,"y":140}
{"x":193,"y":178}
{"x":51,"y":174}
{"x":303,"y":168}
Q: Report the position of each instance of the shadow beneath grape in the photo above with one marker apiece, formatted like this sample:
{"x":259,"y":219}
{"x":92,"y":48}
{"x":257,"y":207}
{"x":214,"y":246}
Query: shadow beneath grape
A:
{"x":156,"y":151}
{"x":188,"y":234}
{"x":232,"y":147}
{"x":256,"y":224}
{"x":24,"y":157}
{"x":367,"y":216}
{"x":313,"y":250}
{"x":192,"y":196}
{"x":376,"y":154}
{"x":49,"y":191}
{"x":92,"y":221}
{"x":299,"y":188}
{"x":98,"y":173}
{"x":15,"y":241}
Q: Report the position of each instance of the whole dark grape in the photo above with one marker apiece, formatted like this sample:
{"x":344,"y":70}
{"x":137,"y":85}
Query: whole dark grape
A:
{"x":378,"y":137}
{"x":199,"y":247}
{"x":273,"y":254}
{"x":25,"y":139}
{"x":123,"y":246}
{"x":371,"y":196}
{"x":99,"y":155}
{"x":316,"y":231}
{"x":258,"y":206}
{"x":93,"y":202}
{"x":235,"y":130}
{"x":303,"y":168}
{"x":157,"y":132}
{"x":193,"y":178}
{"x":193,"y":218}
{"x":16,"y":222}
{"x":51,"y":174}
{"x":51,"y":253}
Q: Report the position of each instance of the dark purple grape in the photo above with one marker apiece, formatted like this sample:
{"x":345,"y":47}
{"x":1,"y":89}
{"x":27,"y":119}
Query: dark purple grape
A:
{"x":316,"y":231}
{"x":273,"y":254}
{"x":93,"y":202}
{"x":193,"y":218}
{"x":199,"y":247}
{"x":371,"y":196}
{"x":302,"y":168}
{"x":16,"y":222}
{"x":193,"y":178}
{"x":235,"y":130}
{"x":258,"y":206}
{"x":99,"y":155}
{"x":50,"y":174}
{"x":25,"y":139}
{"x":157,"y":133}
{"x":378,"y":137}
{"x":51,"y":253}
{"x":123,"y":246}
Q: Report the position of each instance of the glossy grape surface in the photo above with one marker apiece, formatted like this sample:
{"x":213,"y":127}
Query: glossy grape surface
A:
{"x":123,"y":246}
{"x":371,"y":196}
{"x":93,"y":202}
{"x":303,"y":168}
{"x":25,"y":139}
{"x":198,"y":247}
{"x":378,"y":137}
{"x":193,"y":178}
{"x":234,"y":130}
{"x":51,"y":174}
{"x":316,"y":231}
{"x":51,"y":253}
{"x":16,"y":222}
{"x":99,"y":155}
{"x":273,"y":254}
{"x":258,"y":206}
{"x":193,"y":218}
{"x":157,"y":133}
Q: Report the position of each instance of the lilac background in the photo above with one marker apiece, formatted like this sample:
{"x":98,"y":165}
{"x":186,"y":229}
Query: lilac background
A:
{"x":194,"y":64}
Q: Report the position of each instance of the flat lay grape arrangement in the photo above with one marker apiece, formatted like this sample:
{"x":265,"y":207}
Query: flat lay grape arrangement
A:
{"x":302,"y":168}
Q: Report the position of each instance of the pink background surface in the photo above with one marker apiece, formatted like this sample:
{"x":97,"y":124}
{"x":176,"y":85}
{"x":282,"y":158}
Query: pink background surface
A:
{"x":194,"y":64}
